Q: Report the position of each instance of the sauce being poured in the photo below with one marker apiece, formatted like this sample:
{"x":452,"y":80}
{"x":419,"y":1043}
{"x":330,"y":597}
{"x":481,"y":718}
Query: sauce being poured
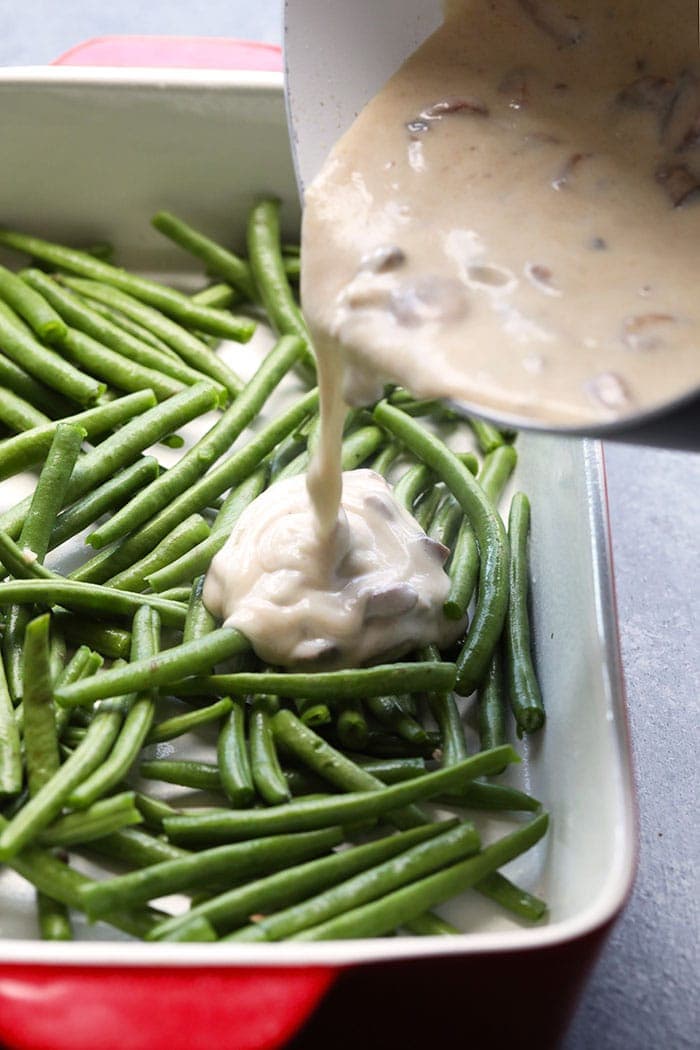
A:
{"x":513,"y":222}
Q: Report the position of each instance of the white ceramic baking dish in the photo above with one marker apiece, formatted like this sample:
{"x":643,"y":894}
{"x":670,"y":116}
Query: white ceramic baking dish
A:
{"x":89,"y":155}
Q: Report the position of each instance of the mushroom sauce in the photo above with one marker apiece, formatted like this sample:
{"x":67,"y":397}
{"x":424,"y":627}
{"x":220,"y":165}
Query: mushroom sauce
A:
{"x":513,"y":222}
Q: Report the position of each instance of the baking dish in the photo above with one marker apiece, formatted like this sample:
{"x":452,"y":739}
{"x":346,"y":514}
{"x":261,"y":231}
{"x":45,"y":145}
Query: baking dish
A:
{"x":89,"y":155}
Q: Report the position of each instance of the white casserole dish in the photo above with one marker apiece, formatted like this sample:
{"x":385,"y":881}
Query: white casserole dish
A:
{"x":90,"y":155}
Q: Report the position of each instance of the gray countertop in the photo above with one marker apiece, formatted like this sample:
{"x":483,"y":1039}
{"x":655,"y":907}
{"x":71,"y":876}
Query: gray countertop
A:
{"x":641,"y":993}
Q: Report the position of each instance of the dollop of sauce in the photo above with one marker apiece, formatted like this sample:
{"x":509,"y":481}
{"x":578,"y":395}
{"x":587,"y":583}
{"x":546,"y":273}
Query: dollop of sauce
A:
{"x":514,"y":220}
{"x":374,"y":590}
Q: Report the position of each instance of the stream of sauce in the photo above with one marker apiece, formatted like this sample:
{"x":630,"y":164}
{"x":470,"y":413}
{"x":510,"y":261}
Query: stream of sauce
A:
{"x":513,"y":222}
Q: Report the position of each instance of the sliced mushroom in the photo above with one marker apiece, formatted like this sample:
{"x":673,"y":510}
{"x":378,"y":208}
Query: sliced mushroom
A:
{"x":645,"y":331}
{"x":439,"y":550}
{"x":383,"y":259}
{"x":428,"y":299}
{"x":565,"y":176}
{"x":681,"y":125}
{"x":565,"y":30}
{"x":541,"y":277}
{"x":394,"y":600}
{"x":609,"y":390}
{"x":649,"y":92}
{"x":516,"y":86}
{"x":681,"y":184}
{"x":445,"y":107}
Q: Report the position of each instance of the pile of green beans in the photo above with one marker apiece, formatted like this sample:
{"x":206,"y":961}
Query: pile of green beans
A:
{"x":292,"y":805}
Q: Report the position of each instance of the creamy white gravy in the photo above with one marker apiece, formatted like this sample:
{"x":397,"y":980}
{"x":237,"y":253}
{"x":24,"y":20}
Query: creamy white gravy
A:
{"x":375,"y":589}
{"x":514,"y":220}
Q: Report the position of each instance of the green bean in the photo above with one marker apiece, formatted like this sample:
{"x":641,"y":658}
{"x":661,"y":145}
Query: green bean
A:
{"x":27,"y":449}
{"x":242,"y":861}
{"x":234,"y":772}
{"x":21,"y":346}
{"x":10,"y":751}
{"x":222,"y":476}
{"x":268,"y":273}
{"x":389,"y":713}
{"x":177,"y":594}
{"x":18,"y":414}
{"x":356,"y":448}
{"x":122,"y":448}
{"x":444,"y":526}
{"x":412,"y":484}
{"x":199,"y":621}
{"x":40,"y":738}
{"x":136,"y":725}
{"x":389,"y":912}
{"x":313,"y":712}
{"x":115,"y":369}
{"x":229,"y":826}
{"x":44,"y":505}
{"x":112,"y":493}
{"x":203,"y":776}
{"x":323,"y":685}
{"x":443,"y":707}
{"x":424,"y":858}
{"x":523,"y":688}
{"x":284,"y":888}
{"x":211,"y":447}
{"x":491,"y":705}
{"x":268,"y":777}
{"x":191,"y":349}
{"x":80,"y":315}
{"x":197,"y":560}
{"x":173,"y":303}
{"x":487,"y":436}
{"x":498,"y":467}
{"x":351,"y":724}
{"x":32,"y":307}
{"x":216,"y":258}
{"x":386,"y":458}
{"x":21,"y":562}
{"x":430,"y":925}
{"x":492,"y":797}
{"x":221,"y":295}
{"x":60,"y":882}
{"x":183,"y":538}
{"x":135,"y":847}
{"x":196,"y":929}
{"x":153,"y":810}
{"x":492,"y":598}
{"x":428,"y":505}
{"x":102,"y":818}
{"x":54,"y":919}
{"x":168,"y":666}
{"x":171,"y":728}
{"x":464,"y":567}
{"x":129,"y":326}
{"x":49,"y":494}
{"x":108,"y":640}
{"x":89,"y":598}
{"x":14,"y":378}
{"x":463,"y":571}
{"x":43,"y":807}
{"x":499,"y":889}
{"x":380,"y":744}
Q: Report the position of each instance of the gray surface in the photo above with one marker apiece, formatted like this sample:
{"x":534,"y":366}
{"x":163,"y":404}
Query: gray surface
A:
{"x":641,"y":994}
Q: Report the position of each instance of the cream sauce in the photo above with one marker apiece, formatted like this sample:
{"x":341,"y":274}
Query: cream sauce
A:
{"x":514,"y":220}
{"x":374,"y":589}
